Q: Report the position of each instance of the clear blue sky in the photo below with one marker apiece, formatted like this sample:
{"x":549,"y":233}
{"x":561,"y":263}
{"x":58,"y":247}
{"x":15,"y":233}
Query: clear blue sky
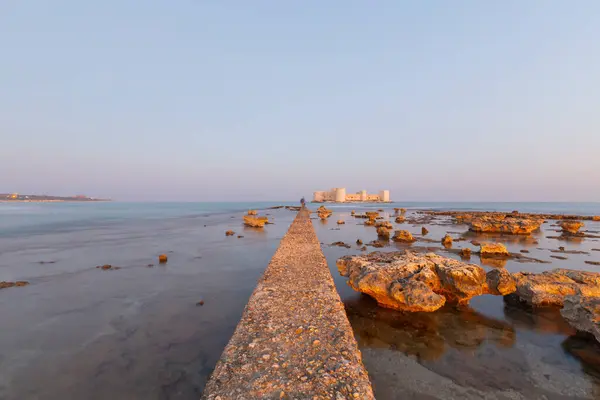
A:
{"x":271,"y":100}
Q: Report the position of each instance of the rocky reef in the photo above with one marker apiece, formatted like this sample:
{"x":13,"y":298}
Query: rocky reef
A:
{"x":414,"y":282}
{"x":501,"y":224}
{"x":255,"y":222}
{"x":324,"y":212}
{"x":583,"y":313}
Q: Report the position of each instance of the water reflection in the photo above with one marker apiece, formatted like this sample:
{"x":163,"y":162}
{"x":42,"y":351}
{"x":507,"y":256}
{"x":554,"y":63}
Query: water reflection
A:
{"x":425,"y":335}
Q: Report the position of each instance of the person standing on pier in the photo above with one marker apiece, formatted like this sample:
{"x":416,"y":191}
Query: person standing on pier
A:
{"x":302,"y":202}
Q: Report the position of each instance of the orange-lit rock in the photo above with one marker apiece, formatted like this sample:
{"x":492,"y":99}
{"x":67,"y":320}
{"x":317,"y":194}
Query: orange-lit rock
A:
{"x":571,"y":227}
{"x":500,"y":224}
{"x":252,"y":212}
{"x":403,"y":236}
{"x":411,"y":282}
{"x":400,"y":219}
{"x":341,"y":222}
{"x":5,"y":285}
{"x":255,"y":222}
{"x":447,"y":241}
{"x":229,"y":233}
{"x":162,"y":258}
{"x":424,"y":231}
{"x":383,"y":233}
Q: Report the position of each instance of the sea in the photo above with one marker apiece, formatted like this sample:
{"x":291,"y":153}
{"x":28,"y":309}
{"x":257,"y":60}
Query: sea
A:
{"x":155,"y":331}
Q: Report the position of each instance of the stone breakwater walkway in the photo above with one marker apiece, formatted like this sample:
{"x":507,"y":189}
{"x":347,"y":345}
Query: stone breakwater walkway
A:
{"x":294,"y":340}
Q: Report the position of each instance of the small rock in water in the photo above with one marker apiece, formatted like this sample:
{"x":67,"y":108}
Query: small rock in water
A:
{"x":524,"y":251}
{"x":4,"y":285}
{"x":593,"y":262}
{"x":465,"y":253}
{"x":447,"y":241}
{"x":560,"y":257}
{"x":105,"y":266}
{"x":240,"y":236}
{"x":150,"y":265}
{"x":162,"y":258}
{"x":424,"y":231}
{"x":341,"y":222}
{"x":359,"y":242}
{"x":200,"y":303}
{"x":229,"y":233}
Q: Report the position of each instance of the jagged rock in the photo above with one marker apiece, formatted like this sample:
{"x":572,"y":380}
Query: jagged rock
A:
{"x":424,"y":231}
{"x":571,"y":227}
{"x":465,"y":253}
{"x":252,"y":212}
{"x":229,"y":233}
{"x":500,"y":282}
{"x":493,"y":250}
{"x":400,"y":219}
{"x":385,"y":224}
{"x":412,"y":282}
{"x":324,"y":213}
{"x":162,"y":258}
{"x":5,"y":285}
{"x":372,"y":214}
{"x":501,"y":224}
{"x":255,"y":222}
{"x":403,"y":236}
{"x":383,"y":233}
{"x":583,"y":314}
{"x":341,"y":222}
{"x":550,"y":288}
{"x":447,"y":241}
{"x":370,"y":222}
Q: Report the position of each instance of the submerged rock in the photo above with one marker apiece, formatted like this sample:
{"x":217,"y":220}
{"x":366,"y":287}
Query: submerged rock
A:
{"x":370,"y":222}
{"x":341,"y":222}
{"x":571,"y":227}
{"x":493,"y":250}
{"x":229,"y":233}
{"x":583,"y":314}
{"x":403,"y":236}
{"x":341,"y":244}
{"x":5,"y":285}
{"x":501,"y":224}
{"x":411,"y":282}
{"x":550,"y":288}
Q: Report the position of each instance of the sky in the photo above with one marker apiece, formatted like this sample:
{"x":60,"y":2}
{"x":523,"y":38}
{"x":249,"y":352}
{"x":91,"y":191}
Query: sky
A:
{"x":193,"y":100}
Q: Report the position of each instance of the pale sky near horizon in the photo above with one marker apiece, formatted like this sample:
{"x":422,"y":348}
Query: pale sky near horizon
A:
{"x":271,"y":100}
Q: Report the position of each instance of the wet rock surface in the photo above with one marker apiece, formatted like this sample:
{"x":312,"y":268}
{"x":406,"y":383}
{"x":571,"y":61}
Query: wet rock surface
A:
{"x":413,"y":282}
{"x":294,"y":339}
{"x":550,"y":288}
{"x":513,"y":226}
{"x":583,"y":313}
{"x":6,"y":285}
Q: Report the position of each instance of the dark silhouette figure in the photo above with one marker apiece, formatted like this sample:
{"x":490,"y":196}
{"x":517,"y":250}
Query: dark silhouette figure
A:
{"x":302,"y":202}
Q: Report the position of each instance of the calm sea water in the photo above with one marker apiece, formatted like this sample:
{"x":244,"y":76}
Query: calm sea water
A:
{"x":80,"y":332}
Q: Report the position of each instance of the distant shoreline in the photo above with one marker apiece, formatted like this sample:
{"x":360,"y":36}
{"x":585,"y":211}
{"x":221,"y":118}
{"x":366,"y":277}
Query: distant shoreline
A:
{"x":53,"y":201}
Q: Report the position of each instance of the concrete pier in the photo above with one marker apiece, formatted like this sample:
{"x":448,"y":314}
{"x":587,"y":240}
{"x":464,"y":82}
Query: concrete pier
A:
{"x":294,"y":340}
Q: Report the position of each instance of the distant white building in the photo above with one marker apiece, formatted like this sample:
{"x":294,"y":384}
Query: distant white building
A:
{"x":339,"y":195}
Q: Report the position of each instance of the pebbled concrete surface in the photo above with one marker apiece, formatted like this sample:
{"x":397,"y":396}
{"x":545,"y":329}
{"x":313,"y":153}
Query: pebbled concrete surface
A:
{"x":294,"y":340}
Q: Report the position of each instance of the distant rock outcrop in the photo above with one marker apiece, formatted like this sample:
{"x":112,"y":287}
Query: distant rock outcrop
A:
{"x":493,"y":250}
{"x":583,"y":314}
{"x":501,"y":224}
{"x":5,"y":285}
{"x":411,"y":282}
{"x":255,"y":222}
{"x":571,"y":227}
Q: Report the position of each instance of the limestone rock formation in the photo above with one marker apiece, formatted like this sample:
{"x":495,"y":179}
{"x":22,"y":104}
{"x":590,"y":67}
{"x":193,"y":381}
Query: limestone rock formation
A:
{"x":255,"y":222}
{"x":571,"y":227}
{"x":424,"y":231}
{"x":465,"y":253}
{"x":403,"y":236}
{"x":493,"y":250}
{"x":324,"y":213}
{"x":370,"y":222}
{"x":447,"y":241}
{"x":501,"y":224}
{"x":500,"y":282}
{"x":400,"y":219}
{"x":252,"y":212}
{"x":583,"y":314}
{"x":385,"y":224}
{"x":5,"y":285}
{"x":550,"y":288}
{"x":596,"y":218}
{"x":412,"y":282}
{"x":383,"y":233}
